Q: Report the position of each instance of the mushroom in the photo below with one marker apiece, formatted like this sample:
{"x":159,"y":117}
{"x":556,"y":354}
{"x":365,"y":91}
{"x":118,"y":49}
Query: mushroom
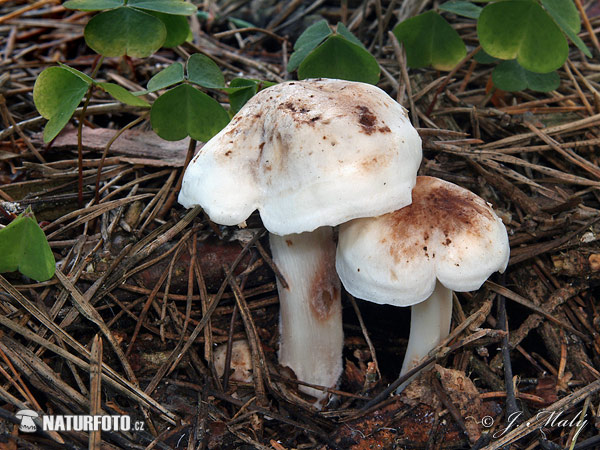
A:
{"x":448,"y":239}
{"x":308,"y":155}
{"x":240,"y":363}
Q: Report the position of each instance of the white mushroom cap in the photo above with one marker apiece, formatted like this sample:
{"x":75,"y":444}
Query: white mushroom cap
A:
{"x":447,"y":233}
{"x":307,"y":154}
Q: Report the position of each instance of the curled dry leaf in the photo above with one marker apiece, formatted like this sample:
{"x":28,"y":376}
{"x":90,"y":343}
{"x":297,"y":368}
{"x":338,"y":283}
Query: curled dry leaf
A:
{"x":464,"y":396}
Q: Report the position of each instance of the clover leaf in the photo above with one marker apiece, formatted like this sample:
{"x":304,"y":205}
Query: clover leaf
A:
{"x":307,"y":42}
{"x":204,"y":71}
{"x":57,"y":93}
{"x":567,"y":18}
{"x":167,"y":77}
{"x":125,"y":31}
{"x":339,"y":58}
{"x":510,"y":76}
{"x":522,"y":30}
{"x":430,"y":41}
{"x":185,"y":111}
{"x":23,"y":247}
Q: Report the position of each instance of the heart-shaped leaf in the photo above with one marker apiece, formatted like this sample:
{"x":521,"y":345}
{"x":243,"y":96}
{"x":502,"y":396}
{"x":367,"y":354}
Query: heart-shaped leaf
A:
{"x":167,"y":77}
{"x":430,"y":41}
{"x":483,"y":58}
{"x":178,"y":28}
{"x":461,"y":8}
{"x":23,"y":247}
{"x":339,"y":58}
{"x":176,"y":7}
{"x":307,"y":42}
{"x":92,"y":5}
{"x":345,"y":32}
{"x":204,"y":71}
{"x":565,"y":11}
{"x":185,"y":111}
{"x":123,"y":95}
{"x":521,"y":29}
{"x":125,"y":31}
{"x":510,"y":76}
{"x":57,"y":93}
{"x":565,"y":14}
{"x":542,"y":82}
{"x":81,"y":75}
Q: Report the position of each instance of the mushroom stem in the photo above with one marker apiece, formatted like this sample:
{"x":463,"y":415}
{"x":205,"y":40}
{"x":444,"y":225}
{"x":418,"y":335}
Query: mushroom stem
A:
{"x":429,"y":324}
{"x":310,"y":316}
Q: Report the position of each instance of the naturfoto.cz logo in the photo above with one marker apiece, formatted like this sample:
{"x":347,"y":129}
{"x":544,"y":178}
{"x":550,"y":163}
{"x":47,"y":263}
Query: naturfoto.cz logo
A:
{"x":77,"y":422}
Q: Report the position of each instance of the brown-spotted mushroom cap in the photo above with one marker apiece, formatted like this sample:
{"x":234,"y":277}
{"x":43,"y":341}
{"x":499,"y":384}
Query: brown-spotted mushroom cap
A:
{"x":307,"y":154}
{"x":447,"y":233}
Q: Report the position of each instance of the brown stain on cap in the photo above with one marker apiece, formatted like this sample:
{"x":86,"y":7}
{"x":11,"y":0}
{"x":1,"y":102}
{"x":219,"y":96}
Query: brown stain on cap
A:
{"x":301,"y":110}
{"x":366,"y":119}
{"x":436,"y":206}
{"x":263,"y":134}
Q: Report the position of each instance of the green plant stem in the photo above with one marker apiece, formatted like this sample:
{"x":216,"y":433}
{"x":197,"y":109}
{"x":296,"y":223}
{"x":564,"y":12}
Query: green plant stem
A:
{"x":80,"y":135}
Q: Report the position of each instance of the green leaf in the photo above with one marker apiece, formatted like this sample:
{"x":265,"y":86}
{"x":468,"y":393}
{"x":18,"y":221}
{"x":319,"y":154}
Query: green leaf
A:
{"x":178,"y":28}
{"x":185,"y":111}
{"x":204,"y":71}
{"x":483,"y":58}
{"x":566,"y":16}
{"x":566,"y":11}
{"x":510,"y":76}
{"x":542,"y":82}
{"x":246,"y":89}
{"x":460,"y":8}
{"x":171,"y":7}
{"x":176,"y":7}
{"x":167,"y":77}
{"x":238,"y":84}
{"x":313,"y":35}
{"x":263,"y":84}
{"x":92,"y":5}
{"x":576,"y":40}
{"x":307,"y":42}
{"x":57,"y":93}
{"x":81,"y":75}
{"x":123,"y":95}
{"x":430,"y":41}
{"x":521,"y":29}
{"x":339,"y":58}
{"x":125,"y":31}
{"x":345,"y":32}
{"x":23,"y":247}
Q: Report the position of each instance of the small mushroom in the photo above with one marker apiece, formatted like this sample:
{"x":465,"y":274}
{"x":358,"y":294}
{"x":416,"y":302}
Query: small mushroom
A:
{"x":241,"y":361}
{"x":447,"y":239}
{"x":308,"y":155}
